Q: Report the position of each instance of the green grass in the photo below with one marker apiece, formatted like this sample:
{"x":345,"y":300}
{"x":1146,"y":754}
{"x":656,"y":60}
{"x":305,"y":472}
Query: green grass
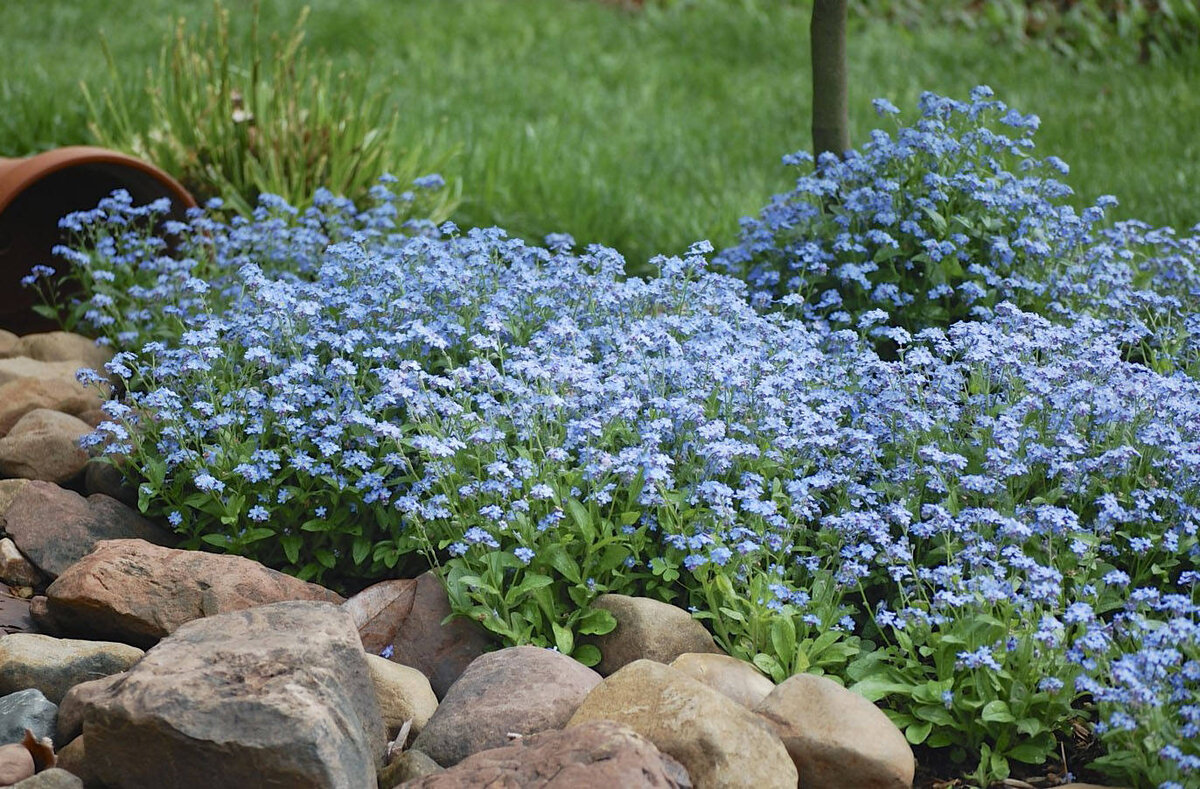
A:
{"x":640,"y":131}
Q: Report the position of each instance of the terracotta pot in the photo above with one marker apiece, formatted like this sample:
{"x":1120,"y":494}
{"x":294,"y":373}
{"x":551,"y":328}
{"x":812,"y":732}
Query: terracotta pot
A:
{"x":38,"y":191}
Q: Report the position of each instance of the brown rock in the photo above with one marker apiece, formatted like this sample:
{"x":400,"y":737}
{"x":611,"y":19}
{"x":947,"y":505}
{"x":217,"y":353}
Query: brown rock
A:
{"x":9,"y":488}
{"x":831,"y":732}
{"x":16,"y":763}
{"x":73,"y":758}
{"x":44,"y":445}
{"x":15,"y":569}
{"x":14,"y":614}
{"x":20,"y":396}
{"x":10,"y":344}
{"x":61,"y":346}
{"x":274,"y":696}
{"x":136,"y":592}
{"x":407,"y":766}
{"x":55,"y":665}
{"x":737,"y":679}
{"x":24,"y":367}
{"x":404,"y":695}
{"x":720,"y":742}
{"x":598,"y":755}
{"x":413,"y":627}
{"x":94,"y":416}
{"x":52,"y":778}
{"x":69,"y":724}
{"x":520,"y":690}
{"x":646,"y":630}
{"x":101,"y":476}
{"x":55,"y":528}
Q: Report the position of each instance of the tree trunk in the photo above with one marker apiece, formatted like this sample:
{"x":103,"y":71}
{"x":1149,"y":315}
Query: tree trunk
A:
{"x":830,"y":126}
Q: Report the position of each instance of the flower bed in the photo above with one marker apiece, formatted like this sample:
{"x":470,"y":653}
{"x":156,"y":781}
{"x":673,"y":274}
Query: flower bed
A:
{"x":988,"y":526}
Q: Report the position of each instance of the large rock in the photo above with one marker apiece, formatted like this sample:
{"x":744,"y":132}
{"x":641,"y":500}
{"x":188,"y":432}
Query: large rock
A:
{"x":646,"y":630}
{"x":10,"y":344}
{"x":520,"y":690}
{"x":55,"y":528}
{"x":598,"y":755}
{"x":26,"y":709}
{"x":62,"y":346}
{"x":278,"y":695}
{"x":16,"y":764}
{"x":44,"y":445}
{"x":136,"y":592}
{"x":404,"y":696}
{"x":9,"y":488}
{"x":69,"y":724}
{"x":20,"y":396}
{"x":101,"y":476}
{"x":23,"y":367}
{"x":737,"y":679}
{"x":834,"y":734}
{"x":55,"y":665}
{"x":720,"y":742}
{"x":52,"y":778}
{"x":407,"y":617}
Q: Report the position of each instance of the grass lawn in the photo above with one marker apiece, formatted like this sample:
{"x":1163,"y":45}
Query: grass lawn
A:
{"x":641,"y":131}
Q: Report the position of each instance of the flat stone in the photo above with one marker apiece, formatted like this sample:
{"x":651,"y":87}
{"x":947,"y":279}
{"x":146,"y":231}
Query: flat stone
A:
{"x":737,"y":679}
{"x":407,"y":766}
{"x":720,"y":742}
{"x":137,"y":593}
{"x":596,"y":755}
{"x":412,"y":626}
{"x":44,"y":445}
{"x":646,"y":630}
{"x":51,"y":778}
{"x":278,"y":695}
{"x":404,"y":696}
{"x":73,"y":705}
{"x":521,"y":690}
{"x":20,"y":396}
{"x":831,"y":732}
{"x":15,"y":569}
{"x":26,"y":709}
{"x":14,"y":614}
{"x":55,"y":527}
{"x":55,"y":665}
{"x":62,"y":346}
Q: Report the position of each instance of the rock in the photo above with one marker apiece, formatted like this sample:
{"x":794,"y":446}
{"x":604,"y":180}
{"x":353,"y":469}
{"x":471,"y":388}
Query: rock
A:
{"x":10,"y":344}
{"x":9,"y":488}
{"x":278,"y":695}
{"x":720,"y":742}
{"x":597,"y":755}
{"x":737,"y":679}
{"x":646,"y":629}
{"x":22,"y":395}
{"x":101,"y":476}
{"x":94,"y":416}
{"x":16,"y":763}
{"x":73,"y":758}
{"x":44,"y":445}
{"x":61,"y":346}
{"x":412,"y":626}
{"x":53,"y":778}
{"x":831,"y":732}
{"x":522,"y":690}
{"x":24,"y":367}
{"x":55,"y":665}
{"x":14,"y":614}
{"x":55,"y":528}
{"x":70,"y":710}
{"x":408,"y":766}
{"x":26,"y":709}
{"x":15,"y":569}
{"x":1086,"y":786}
{"x":136,"y":592}
{"x":404,"y":695}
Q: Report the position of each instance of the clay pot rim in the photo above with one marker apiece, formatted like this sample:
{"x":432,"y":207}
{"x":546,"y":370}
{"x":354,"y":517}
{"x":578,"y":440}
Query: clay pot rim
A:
{"x":17,"y":174}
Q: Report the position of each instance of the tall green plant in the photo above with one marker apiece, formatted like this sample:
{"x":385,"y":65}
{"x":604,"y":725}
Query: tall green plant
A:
{"x":235,"y":124}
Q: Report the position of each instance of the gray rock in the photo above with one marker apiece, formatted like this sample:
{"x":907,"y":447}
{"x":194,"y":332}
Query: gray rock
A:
{"x":646,"y":630}
{"x":101,"y":476}
{"x":831,"y":733}
{"x":278,"y":695}
{"x":521,"y":690}
{"x":55,"y":665}
{"x":598,"y":755}
{"x":407,"y":766}
{"x":720,"y":742}
{"x":26,"y":709}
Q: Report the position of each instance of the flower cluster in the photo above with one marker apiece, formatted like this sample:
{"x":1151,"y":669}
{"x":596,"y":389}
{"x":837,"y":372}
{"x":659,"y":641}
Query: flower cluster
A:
{"x":991,"y":527}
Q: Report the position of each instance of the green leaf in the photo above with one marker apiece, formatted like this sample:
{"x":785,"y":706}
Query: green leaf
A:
{"x":325,"y":557}
{"x":219,"y":540}
{"x":996,"y":712}
{"x":874,"y":688}
{"x":1029,"y":726}
{"x":917,"y":732}
{"x":528,"y":584}
{"x":596,"y":622}
{"x":587,"y":654}
{"x":769,"y":666}
{"x":360,"y":549}
{"x":291,"y":546}
{"x":582,"y":518}
{"x":1032,"y":751}
{"x":558,"y":558}
{"x":564,"y":639}
{"x":783,"y":639}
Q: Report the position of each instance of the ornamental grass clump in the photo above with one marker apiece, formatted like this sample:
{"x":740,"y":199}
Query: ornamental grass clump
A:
{"x":990,"y":529}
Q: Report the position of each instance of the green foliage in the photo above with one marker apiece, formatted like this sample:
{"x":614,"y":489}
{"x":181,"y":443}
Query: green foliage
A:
{"x":234,"y":122}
